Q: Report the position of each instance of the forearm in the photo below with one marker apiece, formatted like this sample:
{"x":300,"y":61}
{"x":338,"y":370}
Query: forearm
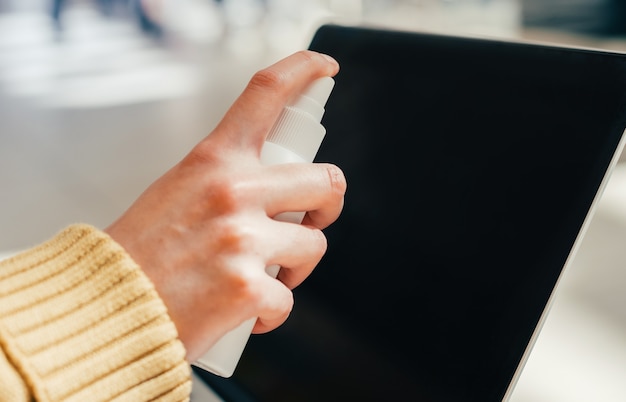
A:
{"x":80,"y":321}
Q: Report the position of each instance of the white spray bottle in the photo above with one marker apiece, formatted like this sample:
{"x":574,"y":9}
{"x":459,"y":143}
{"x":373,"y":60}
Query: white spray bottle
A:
{"x":296,"y":137}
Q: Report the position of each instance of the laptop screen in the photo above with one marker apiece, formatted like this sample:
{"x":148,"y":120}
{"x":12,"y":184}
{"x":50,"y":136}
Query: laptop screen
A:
{"x":472,"y":166}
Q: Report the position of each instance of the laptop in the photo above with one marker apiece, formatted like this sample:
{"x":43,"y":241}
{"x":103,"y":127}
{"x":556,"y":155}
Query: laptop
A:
{"x":473,"y":168}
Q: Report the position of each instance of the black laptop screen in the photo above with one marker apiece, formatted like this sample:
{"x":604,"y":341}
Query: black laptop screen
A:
{"x":471,"y":165}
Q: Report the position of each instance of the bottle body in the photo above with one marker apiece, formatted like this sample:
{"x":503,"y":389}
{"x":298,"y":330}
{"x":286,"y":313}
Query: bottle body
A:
{"x":223,"y":357}
{"x":295,"y":138}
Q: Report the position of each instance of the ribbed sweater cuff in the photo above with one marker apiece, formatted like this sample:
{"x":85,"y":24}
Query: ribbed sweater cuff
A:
{"x":81,"y":322}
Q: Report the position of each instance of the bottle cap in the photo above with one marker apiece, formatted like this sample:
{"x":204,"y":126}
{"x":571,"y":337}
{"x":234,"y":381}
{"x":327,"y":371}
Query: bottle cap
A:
{"x":298,"y":127}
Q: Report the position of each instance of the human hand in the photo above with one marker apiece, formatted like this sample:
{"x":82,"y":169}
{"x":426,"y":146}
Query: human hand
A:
{"x":204,"y":233}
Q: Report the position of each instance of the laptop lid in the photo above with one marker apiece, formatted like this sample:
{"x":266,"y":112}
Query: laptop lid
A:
{"x":473,"y":166}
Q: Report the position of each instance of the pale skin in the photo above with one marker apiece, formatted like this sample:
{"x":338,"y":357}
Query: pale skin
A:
{"x":204,"y":232}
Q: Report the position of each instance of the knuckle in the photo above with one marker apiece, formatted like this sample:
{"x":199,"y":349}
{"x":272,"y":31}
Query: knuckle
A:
{"x":234,"y":239}
{"x":249,"y":288}
{"x":307,"y":55}
{"x":274,"y":79}
{"x":203,"y":153}
{"x":268,"y":79}
{"x":225,"y":196}
{"x":245,"y":287}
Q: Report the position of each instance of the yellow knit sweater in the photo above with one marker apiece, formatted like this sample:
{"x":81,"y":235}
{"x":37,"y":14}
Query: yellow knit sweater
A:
{"x":79,"y":321}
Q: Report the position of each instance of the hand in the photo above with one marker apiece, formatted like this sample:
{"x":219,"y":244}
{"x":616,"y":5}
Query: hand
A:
{"x":204,"y":233}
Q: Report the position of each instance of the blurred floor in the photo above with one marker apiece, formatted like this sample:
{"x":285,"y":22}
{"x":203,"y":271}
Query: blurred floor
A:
{"x":92,"y":114}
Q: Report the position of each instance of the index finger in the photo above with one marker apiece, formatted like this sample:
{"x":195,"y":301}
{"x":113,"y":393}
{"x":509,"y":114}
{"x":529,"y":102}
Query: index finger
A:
{"x":252,"y":115}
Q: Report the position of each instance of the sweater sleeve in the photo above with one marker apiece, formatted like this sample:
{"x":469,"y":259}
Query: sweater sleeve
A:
{"x":80,"y":321}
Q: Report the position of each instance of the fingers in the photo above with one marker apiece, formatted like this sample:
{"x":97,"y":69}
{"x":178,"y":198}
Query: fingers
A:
{"x":253,"y":114}
{"x":323,"y":217}
{"x":276,"y":302}
{"x":273,"y":301}
{"x":317,"y":188}
{"x":298,"y":256}
{"x":264,"y":325}
{"x":296,"y":248}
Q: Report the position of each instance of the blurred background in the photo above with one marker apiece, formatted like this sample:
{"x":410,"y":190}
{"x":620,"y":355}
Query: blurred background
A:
{"x":100,"y":97}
